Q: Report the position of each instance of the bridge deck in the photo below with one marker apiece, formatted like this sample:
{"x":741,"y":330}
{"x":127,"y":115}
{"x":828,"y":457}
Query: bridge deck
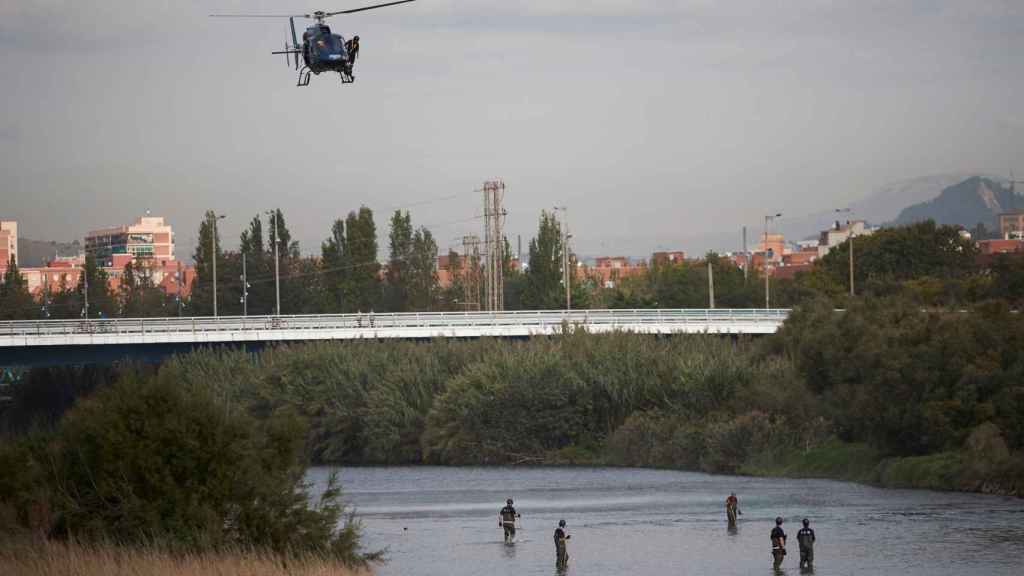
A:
{"x":35,"y":333}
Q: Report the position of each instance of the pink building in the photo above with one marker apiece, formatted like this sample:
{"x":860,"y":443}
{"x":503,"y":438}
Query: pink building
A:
{"x":148,"y":237}
{"x":8,"y":243}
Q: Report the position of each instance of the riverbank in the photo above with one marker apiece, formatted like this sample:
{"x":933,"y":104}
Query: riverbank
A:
{"x":850,"y":462}
{"x":38,"y":558}
{"x":946,"y":471}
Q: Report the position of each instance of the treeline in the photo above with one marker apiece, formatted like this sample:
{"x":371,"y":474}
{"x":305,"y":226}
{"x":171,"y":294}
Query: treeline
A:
{"x":932,"y":265}
{"x":929,"y":264}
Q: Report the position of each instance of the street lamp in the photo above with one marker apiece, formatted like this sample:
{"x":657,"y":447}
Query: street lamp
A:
{"x":565,"y":256}
{"x":849,"y":227}
{"x":213,"y":250}
{"x":277,"y":272}
{"x":767,"y":278}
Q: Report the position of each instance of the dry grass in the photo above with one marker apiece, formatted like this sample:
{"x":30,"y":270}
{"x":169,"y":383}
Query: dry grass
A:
{"x":56,"y":559}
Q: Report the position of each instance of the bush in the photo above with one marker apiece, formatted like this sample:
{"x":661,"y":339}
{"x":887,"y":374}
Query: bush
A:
{"x":154,"y":460}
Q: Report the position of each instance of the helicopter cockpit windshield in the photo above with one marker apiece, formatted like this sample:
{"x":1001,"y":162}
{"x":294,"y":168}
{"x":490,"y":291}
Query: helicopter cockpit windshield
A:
{"x":328,"y":45}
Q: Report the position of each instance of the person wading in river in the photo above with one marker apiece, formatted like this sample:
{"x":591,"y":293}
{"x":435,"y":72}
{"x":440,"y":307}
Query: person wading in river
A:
{"x":778,"y":543}
{"x":732,"y":508}
{"x":805,"y":537}
{"x":561,"y":554}
{"x":507,"y":520}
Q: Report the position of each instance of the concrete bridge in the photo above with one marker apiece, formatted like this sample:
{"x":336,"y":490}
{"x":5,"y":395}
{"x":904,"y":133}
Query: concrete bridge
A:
{"x":33,"y":342}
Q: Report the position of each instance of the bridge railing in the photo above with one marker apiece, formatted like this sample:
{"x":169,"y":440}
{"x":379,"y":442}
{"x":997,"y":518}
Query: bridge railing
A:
{"x":370,"y":321}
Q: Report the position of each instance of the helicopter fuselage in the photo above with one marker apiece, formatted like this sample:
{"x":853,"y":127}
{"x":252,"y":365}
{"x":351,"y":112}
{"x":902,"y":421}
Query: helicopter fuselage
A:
{"x":324,"y":51}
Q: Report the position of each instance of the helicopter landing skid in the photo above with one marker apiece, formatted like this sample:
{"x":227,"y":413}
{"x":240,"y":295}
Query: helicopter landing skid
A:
{"x":303,"y":77}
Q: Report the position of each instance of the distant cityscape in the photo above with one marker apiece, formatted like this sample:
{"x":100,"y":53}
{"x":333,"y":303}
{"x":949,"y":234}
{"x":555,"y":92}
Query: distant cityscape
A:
{"x":148,"y":245}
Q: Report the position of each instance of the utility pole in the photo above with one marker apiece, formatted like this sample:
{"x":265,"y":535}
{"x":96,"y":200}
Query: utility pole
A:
{"x":849,"y":228}
{"x":494,"y":241}
{"x":746,"y":256}
{"x":711,"y":285}
{"x":46,"y":295}
{"x":85,"y":280}
{"x":213,"y":250}
{"x":277,"y":270}
{"x":177,"y":295}
{"x":767,"y":274}
{"x":245,"y":289}
{"x":566,"y":273}
{"x":471,"y":272}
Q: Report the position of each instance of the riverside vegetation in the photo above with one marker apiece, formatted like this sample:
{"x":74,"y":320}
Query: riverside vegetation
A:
{"x":202,"y":459}
{"x":883,"y":392}
{"x":161,"y":476}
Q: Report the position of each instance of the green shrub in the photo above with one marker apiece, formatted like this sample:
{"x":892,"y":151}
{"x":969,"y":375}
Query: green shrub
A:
{"x":155,"y":460}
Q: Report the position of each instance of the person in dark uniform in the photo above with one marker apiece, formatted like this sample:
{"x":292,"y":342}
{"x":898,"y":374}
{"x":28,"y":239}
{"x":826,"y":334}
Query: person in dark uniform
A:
{"x":352,"y":48}
{"x":778,"y":543}
{"x":507,"y":520}
{"x":732,"y":508}
{"x":561,"y":554}
{"x":805,"y":537}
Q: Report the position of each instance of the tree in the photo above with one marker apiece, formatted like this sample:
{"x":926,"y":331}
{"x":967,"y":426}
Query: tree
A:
{"x":400,"y":242}
{"x":259,"y":269}
{"x":361,"y":239}
{"x":279,"y":234}
{"x":201,"y":299}
{"x":335,"y":267}
{"x":894,"y":255}
{"x":1007,"y":271}
{"x":15,"y":300}
{"x":543,"y":288}
{"x":102,"y":303}
{"x":422,"y":271}
{"x":140,"y":298}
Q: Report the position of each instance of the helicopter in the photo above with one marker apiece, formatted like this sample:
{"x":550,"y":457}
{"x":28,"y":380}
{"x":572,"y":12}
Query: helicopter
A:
{"x":321,"y":49}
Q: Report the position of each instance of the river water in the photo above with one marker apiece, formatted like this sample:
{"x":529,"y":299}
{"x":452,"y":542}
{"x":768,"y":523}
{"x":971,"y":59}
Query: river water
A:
{"x":443,"y":521}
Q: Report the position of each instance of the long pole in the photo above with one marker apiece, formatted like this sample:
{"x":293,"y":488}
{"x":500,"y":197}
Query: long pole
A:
{"x":851,"y":259}
{"x":245,"y":289}
{"x":85,"y":276}
{"x":711,"y":285}
{"x":277,"y":271}
{"x":568,"y":272}
{"x":213,"y":252}
{"x":767,"y":277}
{"x":767,"y":287}
{"x":849,"y":228}
{"x":565,"y":255}
{"x":746,"y":256}
{"x":177,"y":280}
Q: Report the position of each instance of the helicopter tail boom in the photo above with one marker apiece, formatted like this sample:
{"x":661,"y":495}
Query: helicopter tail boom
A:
{"x":295,"y":41}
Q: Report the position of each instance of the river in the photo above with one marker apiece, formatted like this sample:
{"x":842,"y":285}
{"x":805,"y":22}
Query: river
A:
{"x":443,"y":521}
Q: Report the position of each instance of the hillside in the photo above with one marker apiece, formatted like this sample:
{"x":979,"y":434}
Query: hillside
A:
{"x":32,"y":253}
{"x":976,"y":199}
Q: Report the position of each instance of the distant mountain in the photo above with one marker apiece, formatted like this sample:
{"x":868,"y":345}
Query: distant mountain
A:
{"x":33,"y":253}
{"x":885,"y":204}
{"x":976,"y":199}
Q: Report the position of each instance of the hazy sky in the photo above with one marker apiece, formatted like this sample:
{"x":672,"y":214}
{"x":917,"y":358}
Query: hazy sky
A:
{"x":656,"y":122}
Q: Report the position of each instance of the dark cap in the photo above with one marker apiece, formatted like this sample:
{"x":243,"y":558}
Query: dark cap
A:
{"x":806,"y":521}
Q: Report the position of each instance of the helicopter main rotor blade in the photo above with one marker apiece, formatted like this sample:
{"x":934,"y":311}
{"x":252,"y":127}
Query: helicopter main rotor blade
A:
{"x":259,"y":16}
{"x":354,"y":10}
